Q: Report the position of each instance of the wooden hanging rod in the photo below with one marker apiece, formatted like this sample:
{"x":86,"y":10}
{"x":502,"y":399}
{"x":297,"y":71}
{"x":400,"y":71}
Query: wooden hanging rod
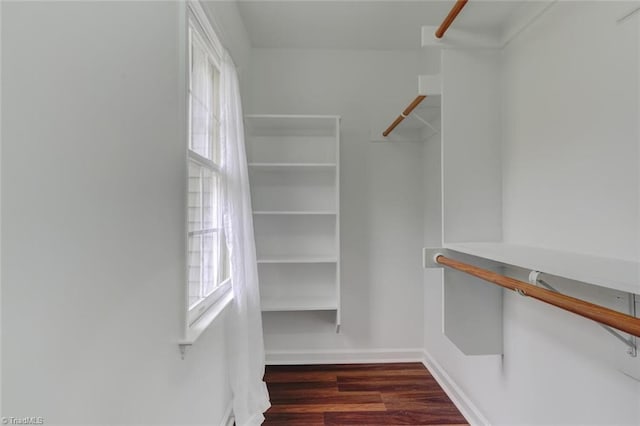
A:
{"x":601,"y":314}
{"x":404,"y":114}
{"x":453,"y":14}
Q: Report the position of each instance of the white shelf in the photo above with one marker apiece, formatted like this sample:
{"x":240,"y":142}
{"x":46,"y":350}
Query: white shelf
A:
{"x":606,"y":272}
{"x":294,"y":169}
{"x":298,"y":305}
{"x":310,"y":213}
{"x":298,"y":260}
{"x":292,"y":166}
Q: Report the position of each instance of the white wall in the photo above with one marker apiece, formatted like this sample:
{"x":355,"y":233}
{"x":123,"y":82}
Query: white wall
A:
{"x":381,"y":195}
{"x":571,"y":138}
{"x":93,"y":188}
{"x":570,"y":181}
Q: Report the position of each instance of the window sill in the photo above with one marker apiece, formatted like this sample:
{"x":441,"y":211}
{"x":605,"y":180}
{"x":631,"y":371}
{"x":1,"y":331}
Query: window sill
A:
{"x":194,"y":331}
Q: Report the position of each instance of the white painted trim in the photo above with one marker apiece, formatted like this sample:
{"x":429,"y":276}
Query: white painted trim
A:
{"x":228,"y":418}
{"x":332,"y":117}
{"x":206,"y":319}
{"x":337,"y":229}
{"x":344,"y":356}
{"x":468,"y":409}
{"x":217,"y":296}
{"x":200,"y":16}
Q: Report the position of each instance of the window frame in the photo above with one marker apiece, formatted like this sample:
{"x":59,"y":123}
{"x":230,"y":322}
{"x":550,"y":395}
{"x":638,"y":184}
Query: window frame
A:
{"x":195,"y":311}
{"x":199,"y":31}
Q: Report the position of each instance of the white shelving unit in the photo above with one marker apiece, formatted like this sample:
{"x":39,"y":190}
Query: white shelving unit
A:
{"x":295,"y":177}
{"x":473,"y":209}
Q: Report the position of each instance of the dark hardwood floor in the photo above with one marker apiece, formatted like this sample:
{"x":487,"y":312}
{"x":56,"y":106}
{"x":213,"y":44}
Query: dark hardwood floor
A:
{"x":357,"y":394}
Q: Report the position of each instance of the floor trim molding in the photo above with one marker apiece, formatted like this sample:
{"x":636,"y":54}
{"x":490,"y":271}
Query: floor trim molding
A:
{"x":347,"y":356}
{"x":468,"y":409}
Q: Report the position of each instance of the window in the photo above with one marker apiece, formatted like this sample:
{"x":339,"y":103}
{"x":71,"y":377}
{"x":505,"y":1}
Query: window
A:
{"x":208,"y":260}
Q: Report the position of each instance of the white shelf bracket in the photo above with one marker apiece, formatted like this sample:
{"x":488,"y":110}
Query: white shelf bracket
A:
{"x":631,"y":342}
{"x":425,"y":122}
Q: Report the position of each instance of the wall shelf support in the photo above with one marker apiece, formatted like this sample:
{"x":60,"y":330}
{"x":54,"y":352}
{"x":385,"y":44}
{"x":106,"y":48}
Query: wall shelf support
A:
{"x":425,"y":122}
{"x":630,"y":342}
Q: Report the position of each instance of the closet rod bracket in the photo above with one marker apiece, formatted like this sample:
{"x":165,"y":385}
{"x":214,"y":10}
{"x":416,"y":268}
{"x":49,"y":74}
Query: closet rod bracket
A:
{"x":631,"y":342}
{"x":429,"y":256}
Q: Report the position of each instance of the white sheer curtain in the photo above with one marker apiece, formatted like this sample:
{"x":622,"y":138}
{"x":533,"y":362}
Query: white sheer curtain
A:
{"x":244,"y":322}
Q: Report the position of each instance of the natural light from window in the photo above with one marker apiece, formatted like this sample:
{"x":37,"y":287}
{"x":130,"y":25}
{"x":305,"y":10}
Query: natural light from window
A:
{"x":208,"y":270}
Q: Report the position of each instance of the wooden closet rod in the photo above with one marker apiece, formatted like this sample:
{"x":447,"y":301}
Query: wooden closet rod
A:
{"x":404,"y":114}
{"x":453,"y":14}
{"x":615,"y":319}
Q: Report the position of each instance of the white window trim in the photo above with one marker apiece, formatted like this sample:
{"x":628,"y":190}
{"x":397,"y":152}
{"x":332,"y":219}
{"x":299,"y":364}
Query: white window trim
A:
{"x":205,"y":312}
{"x":196,"y":13}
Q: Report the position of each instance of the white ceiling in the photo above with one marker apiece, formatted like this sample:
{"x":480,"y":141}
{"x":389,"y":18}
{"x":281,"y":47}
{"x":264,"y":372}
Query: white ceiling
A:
{"x":356,"y":24}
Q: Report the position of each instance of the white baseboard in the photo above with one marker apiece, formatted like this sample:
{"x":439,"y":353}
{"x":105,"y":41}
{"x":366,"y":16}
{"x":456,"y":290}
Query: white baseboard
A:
{"x":453,"y":391}
{"x":227,"y":418}
{"x":347,"y":356}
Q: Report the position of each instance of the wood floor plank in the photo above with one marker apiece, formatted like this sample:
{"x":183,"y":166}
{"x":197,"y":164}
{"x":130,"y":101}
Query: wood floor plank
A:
{"x":427,"y":381}
{"x":406,"y":400}
{"x":301,"y":386}
{"x":279,"y":393}
{"x":294,"y":419}
{"x":299,"y":376}
{"x":357,"y":394}
{"x":382,"y":386}
{"x":326,"y":408}
{"x":425,"y":393}
{"x":327,"y":397}
{"x":400,"y":417}
{"x":435,"y":406}
{"x":383,"y":373}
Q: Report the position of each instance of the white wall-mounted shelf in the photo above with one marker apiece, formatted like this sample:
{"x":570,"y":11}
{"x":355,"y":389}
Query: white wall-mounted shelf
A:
{"x":292,"y":166}
{"x":293,"y":213}
{"x":298,"y":305}
{"x":606,"y":272}
{"x":294,"y":173}
{"x":297,"y":260}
